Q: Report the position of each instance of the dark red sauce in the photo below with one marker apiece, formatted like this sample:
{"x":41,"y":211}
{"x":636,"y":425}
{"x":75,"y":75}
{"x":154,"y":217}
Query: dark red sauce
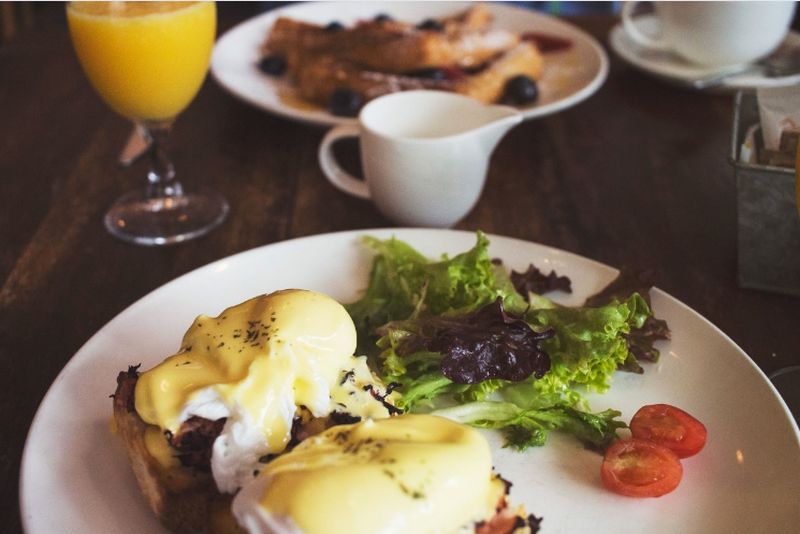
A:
{"x":547,"y":42}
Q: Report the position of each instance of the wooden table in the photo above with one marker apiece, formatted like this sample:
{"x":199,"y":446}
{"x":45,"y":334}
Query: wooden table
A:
{"x":635,"y":176}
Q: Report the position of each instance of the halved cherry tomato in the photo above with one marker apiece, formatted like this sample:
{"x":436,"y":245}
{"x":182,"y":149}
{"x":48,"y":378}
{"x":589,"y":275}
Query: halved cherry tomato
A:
{"x":638,"y":468}
{"x":671,"y":427}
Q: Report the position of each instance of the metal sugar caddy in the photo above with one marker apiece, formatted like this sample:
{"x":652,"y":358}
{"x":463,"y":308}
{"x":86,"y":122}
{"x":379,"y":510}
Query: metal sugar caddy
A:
{"x":767,"y":213}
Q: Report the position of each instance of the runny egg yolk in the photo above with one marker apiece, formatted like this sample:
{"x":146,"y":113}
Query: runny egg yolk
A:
{"x":259,"y":361}
{"x":411,"y":473}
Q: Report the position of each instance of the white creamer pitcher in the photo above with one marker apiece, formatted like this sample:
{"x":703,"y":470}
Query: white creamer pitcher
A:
{"x":424,"y":154}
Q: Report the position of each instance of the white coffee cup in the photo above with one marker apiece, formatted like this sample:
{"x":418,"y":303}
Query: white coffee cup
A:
{"x":424,"y":153}
{"x":715,"y":34}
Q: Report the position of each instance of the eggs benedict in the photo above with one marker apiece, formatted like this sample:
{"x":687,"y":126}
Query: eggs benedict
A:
{"x":244,"y":387}
{"x":411,"y":473}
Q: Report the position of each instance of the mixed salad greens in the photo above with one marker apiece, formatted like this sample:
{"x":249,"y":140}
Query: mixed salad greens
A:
{"x":474,"y":343}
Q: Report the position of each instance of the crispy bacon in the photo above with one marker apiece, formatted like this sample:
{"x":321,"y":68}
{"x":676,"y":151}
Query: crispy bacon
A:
{"x":194,"y":441}
{"x":126,"y":388}
{"x":508,"y":521}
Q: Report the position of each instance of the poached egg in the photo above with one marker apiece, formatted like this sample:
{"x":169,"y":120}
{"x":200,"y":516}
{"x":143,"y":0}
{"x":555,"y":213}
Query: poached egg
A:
{"x":256,"y":364}
{"x":409,"y":473}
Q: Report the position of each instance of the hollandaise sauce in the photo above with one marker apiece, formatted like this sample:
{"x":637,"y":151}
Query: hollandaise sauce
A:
{"x":255,"y":364}
{"x":411,"y":473}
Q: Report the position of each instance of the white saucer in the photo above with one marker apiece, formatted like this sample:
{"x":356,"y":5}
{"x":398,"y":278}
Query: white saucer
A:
{"x":673,"y":68}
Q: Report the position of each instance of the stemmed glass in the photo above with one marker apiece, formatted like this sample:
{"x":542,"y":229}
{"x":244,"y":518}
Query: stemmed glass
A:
{"x":147,"y":60}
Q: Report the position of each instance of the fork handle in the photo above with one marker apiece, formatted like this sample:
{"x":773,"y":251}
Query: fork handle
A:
{"x":715,"y":80}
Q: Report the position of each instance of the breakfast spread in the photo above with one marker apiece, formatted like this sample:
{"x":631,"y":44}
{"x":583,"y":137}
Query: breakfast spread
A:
{"x":225,"y":414}
{"x":341,"y":67}
{"x":266,"y":420}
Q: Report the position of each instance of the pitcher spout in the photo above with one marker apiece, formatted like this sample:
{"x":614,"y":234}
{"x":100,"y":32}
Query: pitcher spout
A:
{"x":503,"y":118}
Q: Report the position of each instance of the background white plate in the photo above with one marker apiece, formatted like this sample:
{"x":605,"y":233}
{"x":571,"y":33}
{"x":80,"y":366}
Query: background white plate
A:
{"x":569,"y":77}
{"x":75,"y":476}
{"x":674,"y":68}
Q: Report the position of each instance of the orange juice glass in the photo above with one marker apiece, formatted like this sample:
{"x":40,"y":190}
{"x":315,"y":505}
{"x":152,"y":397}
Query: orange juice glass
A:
{"x":147,"y":60}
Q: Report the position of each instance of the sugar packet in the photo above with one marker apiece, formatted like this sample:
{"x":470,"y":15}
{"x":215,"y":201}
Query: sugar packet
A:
{"x":779,"y":111}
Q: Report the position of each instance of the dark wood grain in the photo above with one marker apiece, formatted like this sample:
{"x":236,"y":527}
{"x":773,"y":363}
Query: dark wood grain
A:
{"x":635,"y":176}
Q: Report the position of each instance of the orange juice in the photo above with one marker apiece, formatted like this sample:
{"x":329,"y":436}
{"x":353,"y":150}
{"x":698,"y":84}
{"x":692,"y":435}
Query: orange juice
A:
{"x":146,"y":59}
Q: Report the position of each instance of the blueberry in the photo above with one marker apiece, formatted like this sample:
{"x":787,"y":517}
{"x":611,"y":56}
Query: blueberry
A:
{"x":430,"y":24}
{"x":521,"y":90}
{"x":273,"y":65}
{"x":382,"y":17}
{"x":334,"y":26}
{"x":345,"y":102}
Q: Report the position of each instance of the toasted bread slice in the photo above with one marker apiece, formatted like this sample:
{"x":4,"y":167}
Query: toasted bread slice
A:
{"x":393,"y":47}
{"x":180,"y":497}
{"x":321,"y":76}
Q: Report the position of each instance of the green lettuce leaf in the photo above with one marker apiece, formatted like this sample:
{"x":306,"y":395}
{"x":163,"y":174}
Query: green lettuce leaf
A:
{"x":525,"y":428}
{"x":641,"y":339}
{"x":589,"y":345}
{"x":403,"y":284}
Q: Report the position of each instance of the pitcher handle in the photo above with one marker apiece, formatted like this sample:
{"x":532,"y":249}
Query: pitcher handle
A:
{"x":340,"y":178}
{"x":635,"y":33}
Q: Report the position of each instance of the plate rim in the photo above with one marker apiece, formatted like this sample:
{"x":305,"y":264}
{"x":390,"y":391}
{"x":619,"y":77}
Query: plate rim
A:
{"x":324,"y":119}
{"x":82,"y":354}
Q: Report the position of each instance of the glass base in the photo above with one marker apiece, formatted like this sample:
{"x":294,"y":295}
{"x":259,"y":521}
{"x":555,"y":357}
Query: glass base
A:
{"x":165,"y":220}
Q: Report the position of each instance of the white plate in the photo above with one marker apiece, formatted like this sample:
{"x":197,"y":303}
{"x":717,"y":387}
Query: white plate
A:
{"x":75,"y":476}
{"x":569,"y":77}
{"x":674,"y":68}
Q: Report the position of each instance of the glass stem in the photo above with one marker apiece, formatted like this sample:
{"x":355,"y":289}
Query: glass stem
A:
{"x":161,"y":180}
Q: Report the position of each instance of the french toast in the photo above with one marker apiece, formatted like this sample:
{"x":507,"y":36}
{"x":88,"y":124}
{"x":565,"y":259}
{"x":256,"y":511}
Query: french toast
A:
{"x":391,"y":46}
{"x":488,"y":85}
{"x":461,"y":53}
{"x":320,"y":76}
